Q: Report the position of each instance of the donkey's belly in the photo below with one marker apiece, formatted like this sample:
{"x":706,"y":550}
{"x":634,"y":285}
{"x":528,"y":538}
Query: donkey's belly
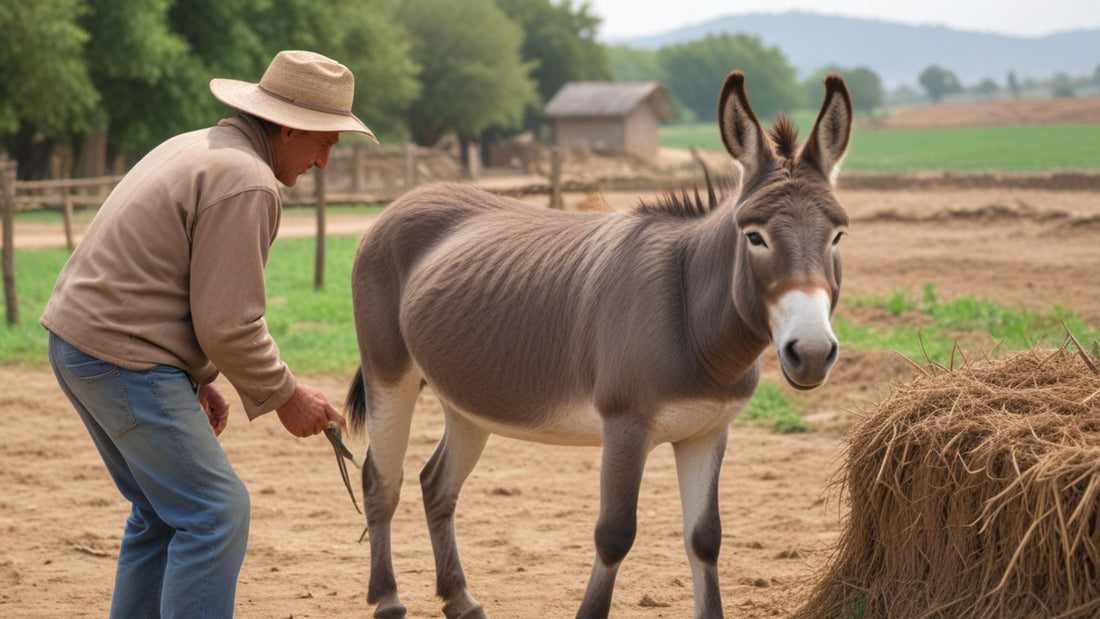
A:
{"x":582,"y":424}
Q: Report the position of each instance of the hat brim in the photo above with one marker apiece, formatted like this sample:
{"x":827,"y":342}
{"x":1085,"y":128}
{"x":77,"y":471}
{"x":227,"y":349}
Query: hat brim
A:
{"x":248,"y":97}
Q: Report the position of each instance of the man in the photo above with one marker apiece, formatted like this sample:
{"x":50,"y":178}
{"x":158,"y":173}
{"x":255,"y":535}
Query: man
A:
{"x":166,"y":290}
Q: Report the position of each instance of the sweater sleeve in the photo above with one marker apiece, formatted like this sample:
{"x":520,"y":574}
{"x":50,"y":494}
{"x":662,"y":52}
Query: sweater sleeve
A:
{"x":230,"y":245}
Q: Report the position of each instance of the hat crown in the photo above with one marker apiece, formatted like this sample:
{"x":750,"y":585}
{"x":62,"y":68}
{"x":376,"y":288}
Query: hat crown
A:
{"x":310,"y":80}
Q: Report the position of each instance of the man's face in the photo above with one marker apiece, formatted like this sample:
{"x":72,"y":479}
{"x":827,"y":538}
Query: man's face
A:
{"x":296,"y":151}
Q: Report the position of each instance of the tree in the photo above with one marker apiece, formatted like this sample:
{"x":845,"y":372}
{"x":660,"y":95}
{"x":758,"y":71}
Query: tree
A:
{"x":116,"y":77}
{"x":46,"y":92}
{"x":939,"y":82}
{"x":864,"y":86}
{"x":694,"y":72}
{"x":364,"y":35}
{"x":561,"y":42}
{"x":144,"y":71}
{"x":472,"y":72}
{"x":1062,"y":86}
{"x":987,"y":88}
{"x":629,"y":64}
{"x":1013,"y":84}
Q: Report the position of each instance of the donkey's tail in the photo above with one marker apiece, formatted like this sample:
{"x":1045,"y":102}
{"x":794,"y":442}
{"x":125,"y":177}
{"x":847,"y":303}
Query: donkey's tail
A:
{"x":356,"y":403}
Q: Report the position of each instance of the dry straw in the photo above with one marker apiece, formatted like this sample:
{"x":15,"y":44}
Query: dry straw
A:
{"x":974,"y":492}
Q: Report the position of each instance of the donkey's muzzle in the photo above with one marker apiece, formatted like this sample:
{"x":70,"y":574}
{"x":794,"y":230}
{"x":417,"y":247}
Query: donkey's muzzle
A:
{"x":804,"y":339}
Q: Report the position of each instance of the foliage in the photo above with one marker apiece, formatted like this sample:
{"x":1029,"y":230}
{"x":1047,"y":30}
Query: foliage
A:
{"x":561,"y":41}
{"x":694,"y":72}
{"x":472,"y":73}
{"x":939,"y":82}
{"x":46,"y":91}
{"x":864,"y":86}
{"x":364,"y":35}
{"x":630,"y":64}
{"x":1063,"y":86}
{"x":138,"y":71}
{"x":44,"y":81}
{"x":144,"y":72}
{"x":987,"y":88}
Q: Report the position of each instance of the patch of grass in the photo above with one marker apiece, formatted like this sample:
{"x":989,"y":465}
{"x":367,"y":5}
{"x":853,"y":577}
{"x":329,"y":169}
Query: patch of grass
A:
{"x":1013,"y":329}
{"x":1009,"y":149}
{"x":772,"y":408}
{"x":314,"y":329}
{"x":35,"y":273}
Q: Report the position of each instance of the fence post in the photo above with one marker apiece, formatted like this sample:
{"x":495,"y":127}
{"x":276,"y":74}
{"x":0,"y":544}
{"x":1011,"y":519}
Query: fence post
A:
{"x":65,"y":164}
{"x":7,"y":204}
{"x":319,"y":259}
{"x":358,"y":162}
{"x":555,"y":178}
{"x":410,"y":166}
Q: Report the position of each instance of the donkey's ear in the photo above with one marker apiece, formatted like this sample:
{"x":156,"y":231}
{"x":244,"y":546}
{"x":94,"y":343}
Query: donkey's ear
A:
{"x":828,"y":141}
{"x":741,"y":132}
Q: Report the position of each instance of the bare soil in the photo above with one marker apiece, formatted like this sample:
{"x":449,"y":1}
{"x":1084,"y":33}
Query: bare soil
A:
{"x":527,"y":513}
{"x":1001,"y":113}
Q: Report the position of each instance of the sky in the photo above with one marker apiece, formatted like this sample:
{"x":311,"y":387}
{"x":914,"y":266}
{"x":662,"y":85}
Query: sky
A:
{"x":623,"y":19}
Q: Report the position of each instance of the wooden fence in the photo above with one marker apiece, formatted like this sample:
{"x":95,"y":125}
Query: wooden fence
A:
{"x":7,"y":218}
{"x":355,"y":175}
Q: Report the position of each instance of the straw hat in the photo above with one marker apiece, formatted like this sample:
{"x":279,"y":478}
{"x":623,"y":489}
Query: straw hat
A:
{"x":300,"y":90}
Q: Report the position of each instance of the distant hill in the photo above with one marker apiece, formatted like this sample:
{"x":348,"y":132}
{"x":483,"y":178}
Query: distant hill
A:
{"x":899,"y":52}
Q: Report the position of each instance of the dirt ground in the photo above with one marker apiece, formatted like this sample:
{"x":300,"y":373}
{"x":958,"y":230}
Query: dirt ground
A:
{"x":526,"y":516}
{"x":527,"y":513}
{"x":1001,"y":113}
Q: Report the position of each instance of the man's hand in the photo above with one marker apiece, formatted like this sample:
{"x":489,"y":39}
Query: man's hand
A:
{"x":214,"y":402}
{"x":308,"y":412}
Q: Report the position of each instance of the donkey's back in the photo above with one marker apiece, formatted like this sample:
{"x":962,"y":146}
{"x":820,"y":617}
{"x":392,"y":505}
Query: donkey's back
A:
{"x":525,"y":318}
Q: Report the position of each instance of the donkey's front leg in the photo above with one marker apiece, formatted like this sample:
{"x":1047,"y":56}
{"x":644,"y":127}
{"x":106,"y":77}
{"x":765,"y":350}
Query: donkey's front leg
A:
{"x":698,"y":462}
{"x":625,"y":446}
{"x":440,"y":481}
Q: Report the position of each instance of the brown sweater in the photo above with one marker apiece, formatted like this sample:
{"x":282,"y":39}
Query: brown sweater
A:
{"x":171,"y":270}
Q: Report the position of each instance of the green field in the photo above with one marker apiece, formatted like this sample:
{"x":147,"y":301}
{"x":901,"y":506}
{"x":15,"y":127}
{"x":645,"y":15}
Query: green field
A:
{"x":315,"y":331}
{"x":1008,"y":149}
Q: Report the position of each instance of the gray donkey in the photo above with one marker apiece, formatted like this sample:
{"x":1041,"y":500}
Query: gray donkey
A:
{"x":621,"y":330}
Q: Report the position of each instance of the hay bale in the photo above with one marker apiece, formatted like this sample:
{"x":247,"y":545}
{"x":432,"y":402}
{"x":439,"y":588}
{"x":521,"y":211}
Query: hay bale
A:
{"x":973,"y":493}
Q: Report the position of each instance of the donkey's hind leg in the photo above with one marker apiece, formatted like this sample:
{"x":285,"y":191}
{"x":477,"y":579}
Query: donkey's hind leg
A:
{"x":698,"y":462}
{"x":388,"y":422}
{"x":441,"y":480}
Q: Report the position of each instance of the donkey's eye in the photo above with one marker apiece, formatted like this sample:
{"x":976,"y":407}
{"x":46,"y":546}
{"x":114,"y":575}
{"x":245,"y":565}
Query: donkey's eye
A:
{"x":836,"y":239}
{"x":756,"y":239}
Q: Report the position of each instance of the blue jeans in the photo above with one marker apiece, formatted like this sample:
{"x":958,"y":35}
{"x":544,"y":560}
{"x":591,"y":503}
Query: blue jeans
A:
{"x":185,"y":538}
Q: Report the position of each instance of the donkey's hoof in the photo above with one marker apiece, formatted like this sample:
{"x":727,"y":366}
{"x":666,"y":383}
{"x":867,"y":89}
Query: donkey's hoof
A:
{"x":474,"y":612}
{"x":395,"y":612}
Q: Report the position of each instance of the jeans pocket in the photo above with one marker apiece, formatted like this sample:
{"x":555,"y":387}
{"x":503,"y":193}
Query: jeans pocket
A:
{"x":100,"y":387}
{"x":81,"y":365}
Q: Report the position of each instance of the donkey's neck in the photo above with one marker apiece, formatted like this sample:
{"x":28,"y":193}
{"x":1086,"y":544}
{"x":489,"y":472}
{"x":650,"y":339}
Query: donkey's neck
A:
{"x":726,"y":340}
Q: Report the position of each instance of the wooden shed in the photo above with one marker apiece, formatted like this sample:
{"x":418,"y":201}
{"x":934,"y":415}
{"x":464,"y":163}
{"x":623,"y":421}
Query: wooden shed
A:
{"x":610,"y":117}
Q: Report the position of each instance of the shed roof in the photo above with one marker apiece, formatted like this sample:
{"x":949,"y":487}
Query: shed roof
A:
{"x":608,"y":99}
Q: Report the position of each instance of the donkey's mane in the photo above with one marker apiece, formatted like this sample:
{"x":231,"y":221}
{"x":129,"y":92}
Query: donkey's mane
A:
{"x":784,"y":137}
{"x":682,"y":204}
